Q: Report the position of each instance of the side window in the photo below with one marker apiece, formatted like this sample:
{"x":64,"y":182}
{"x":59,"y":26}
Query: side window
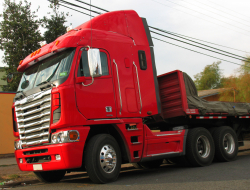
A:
{"x":142,"y":60}
{"x":83,"y":69}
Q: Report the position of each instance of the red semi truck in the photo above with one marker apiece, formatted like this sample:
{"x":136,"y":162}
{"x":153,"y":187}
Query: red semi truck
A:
{"x":91,"y":101}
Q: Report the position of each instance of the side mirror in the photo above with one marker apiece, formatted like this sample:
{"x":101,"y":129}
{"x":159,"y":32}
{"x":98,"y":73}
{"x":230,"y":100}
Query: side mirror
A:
{"x":10,"y":77}
{"x":94,"y":61}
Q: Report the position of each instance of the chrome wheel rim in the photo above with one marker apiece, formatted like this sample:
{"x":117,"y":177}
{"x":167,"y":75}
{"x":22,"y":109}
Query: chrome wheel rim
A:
{"x":228,"y":143}
{"x":108,"y":158}
{"x":203,"y":146}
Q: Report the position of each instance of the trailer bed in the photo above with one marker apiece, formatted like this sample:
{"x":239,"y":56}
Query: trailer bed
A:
{"x":179,"y":97}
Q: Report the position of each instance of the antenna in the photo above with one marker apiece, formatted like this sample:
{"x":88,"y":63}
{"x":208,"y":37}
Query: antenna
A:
{"x":90,"y":26}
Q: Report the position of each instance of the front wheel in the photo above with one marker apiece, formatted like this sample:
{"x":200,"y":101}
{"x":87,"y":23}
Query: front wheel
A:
{"x":50,"y":176}
{"x":226,"y":144}
{"x":200,"y":147}
{"x":102,"y":159}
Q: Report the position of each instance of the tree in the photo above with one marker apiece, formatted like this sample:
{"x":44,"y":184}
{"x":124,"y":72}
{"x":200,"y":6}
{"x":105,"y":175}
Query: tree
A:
{"x":19,"y":36}
{"x":238,"y":89}
{"x":209,"y":78}
{"x":54,"y":25}
{"x":245,"y":68}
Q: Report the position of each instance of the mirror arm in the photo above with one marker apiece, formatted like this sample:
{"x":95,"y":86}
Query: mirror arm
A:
{"x":89,"y":83}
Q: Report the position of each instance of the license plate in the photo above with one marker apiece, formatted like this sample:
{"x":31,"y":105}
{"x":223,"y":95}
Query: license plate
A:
{"x":37,"y":167}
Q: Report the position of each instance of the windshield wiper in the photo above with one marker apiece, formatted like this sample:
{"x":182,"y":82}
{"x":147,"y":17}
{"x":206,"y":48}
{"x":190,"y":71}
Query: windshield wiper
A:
{"x":50,"y":77}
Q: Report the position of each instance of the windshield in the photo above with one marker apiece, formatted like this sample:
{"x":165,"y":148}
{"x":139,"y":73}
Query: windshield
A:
{"x":51,"y":69}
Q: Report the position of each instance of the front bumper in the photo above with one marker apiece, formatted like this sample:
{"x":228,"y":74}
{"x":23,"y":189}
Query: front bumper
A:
{"x":71,"y":155}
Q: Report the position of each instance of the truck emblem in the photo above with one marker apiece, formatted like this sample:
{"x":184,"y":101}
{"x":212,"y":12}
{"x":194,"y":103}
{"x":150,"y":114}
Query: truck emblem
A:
{"x":30,"y":98}
{"x":108,"y":109}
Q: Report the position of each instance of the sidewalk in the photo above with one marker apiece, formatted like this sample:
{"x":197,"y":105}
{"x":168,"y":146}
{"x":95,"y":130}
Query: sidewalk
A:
{"x":7,"y":161}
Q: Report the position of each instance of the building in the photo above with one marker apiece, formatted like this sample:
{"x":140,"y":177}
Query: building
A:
{"x":212,"y":94}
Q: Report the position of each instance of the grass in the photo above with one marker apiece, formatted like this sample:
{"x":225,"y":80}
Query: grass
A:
{"x":7,"y":165}
{"x":13,"y":176}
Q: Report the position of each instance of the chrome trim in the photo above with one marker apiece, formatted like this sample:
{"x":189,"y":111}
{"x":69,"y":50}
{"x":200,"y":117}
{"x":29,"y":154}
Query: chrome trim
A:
{"x":33,"y":105}
{"x":35,"y":123}
{"x":35,"y":142}
{"x":138,"y":85}
{"x":23,"y":131}
{"x":34,"y":97}
{"x":168,"y":134}
{"x":35,"y":136}
{"x":34,"y":111}
{"x":118,"y":85}
{"x":166,"y":153}
{"x":34,"y":117}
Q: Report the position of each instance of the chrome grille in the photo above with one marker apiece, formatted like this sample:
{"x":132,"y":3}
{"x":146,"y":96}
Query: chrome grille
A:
{"x":33,"y":118}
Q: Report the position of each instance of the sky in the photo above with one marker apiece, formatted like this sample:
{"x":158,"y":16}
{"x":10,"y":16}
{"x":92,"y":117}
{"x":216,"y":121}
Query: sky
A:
{"x":224,"y":22}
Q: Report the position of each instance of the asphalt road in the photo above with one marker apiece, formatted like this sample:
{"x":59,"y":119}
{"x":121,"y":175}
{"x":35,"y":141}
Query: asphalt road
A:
{"x":227,"y":175}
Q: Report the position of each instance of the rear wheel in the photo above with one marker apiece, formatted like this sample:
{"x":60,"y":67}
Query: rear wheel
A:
{"x":200,"y":147}
{"x":226,"y":144}
{"x":102,"y":159}
{"x":50,"y":176}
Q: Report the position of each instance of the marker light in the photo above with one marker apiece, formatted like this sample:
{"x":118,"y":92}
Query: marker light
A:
{"x":58,"y":157}
{"x":73,"y":135}
{"x":57,"y":42}
{"x":20,"y":62}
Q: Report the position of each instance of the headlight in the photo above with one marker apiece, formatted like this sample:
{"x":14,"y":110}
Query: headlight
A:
{"x":65,"y":136}
{"x":18,"y":145}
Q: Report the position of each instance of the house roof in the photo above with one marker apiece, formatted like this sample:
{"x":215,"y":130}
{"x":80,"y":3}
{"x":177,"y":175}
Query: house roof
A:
{"x":211,"y":92}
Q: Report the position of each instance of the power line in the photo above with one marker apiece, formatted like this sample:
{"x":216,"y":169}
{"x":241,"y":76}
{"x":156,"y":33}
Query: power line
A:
{"x":75,"y":10}
{"x":196,"y":42}
{"x":199,"y":17}
{"x":190,"y":44}
{"x":196,"y":46}
{"x":216,"y":13}
{"x":206,"y":41}
{"x":92,"y":5}
{"x":78,"y":6}
{"x":229,"y":9}
{"x":206,"y":15}
{"x":200,"y":52}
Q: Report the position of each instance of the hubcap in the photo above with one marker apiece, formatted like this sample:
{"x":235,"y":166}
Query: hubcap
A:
{"x":228,"y":143}
{"x":108,"y":158}
{"x":203,"y":146}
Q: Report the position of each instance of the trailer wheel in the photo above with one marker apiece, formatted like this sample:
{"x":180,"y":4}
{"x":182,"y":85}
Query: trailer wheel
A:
{"x":148,"y":165}
{"x":50,"y":176}
{"x":226,"y":144}
{"x":102,"y":159}
{"x":200,"y":147}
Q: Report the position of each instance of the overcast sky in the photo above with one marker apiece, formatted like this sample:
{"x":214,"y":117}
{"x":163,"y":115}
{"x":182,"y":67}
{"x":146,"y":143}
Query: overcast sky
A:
{"x":224,"y":22}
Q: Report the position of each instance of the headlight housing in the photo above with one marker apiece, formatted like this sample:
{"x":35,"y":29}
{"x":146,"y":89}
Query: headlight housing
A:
{"x":65,"y":136}
{"x":17,"y":144}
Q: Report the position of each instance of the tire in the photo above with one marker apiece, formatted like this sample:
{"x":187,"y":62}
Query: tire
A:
{"x":100,"y":148}
{"x":50,"y":176}
{"x":199,"y":147}
{"x":226,"y":144}
{"x":149,"y":164}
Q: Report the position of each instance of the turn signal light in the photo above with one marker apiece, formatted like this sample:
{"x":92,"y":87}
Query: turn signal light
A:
{"x":20,"y":62}
{"x":57,"y":42}
{"x":73,"y":135}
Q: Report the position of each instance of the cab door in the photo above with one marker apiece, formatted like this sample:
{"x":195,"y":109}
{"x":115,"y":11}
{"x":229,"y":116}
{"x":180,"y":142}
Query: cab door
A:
{"x":95,"y":96}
